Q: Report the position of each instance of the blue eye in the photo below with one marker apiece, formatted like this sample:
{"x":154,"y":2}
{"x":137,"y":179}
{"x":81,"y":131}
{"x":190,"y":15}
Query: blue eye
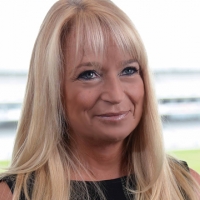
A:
{"x":128,"y":71}
{"x":88,"y":75}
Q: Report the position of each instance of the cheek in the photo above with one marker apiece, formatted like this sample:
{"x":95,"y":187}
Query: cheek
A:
{"x":138,"y":101}
{"x":77,"y":101}
{"x":136,"y":93}
{"x":140,"y":93}
{"x":140,"y":97}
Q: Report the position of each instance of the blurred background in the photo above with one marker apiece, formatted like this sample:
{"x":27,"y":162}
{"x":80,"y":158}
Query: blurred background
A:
{"x":170,"y":31}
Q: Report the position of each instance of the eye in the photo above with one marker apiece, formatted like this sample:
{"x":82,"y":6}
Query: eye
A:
{"x":88,"y":75}
{"x":128,"y":71}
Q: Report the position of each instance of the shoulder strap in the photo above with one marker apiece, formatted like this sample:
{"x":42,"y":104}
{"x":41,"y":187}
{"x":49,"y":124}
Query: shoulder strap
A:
{"x":185,"y":165}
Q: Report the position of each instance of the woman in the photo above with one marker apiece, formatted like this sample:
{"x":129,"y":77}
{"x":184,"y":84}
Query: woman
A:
{"x":90,"y":128}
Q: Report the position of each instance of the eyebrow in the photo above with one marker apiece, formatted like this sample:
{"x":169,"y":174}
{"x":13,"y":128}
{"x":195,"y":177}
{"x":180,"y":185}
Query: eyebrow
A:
{"x":97,"y":64}
{"x":126,"y":62}
{"x":89,"y":64}
{"x":85,"y":64}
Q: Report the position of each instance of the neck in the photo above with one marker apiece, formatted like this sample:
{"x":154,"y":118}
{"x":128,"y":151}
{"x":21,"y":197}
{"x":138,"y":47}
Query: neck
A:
{"x":100,"y":162}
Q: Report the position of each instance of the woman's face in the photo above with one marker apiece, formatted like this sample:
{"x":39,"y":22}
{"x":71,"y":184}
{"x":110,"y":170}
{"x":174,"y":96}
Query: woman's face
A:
{"x":103,"y":97}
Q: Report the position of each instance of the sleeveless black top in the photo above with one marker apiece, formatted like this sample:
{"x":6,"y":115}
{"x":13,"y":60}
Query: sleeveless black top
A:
{"x":114,"y":189}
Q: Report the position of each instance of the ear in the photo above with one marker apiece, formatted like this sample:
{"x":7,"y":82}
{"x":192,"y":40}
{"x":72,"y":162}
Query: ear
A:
{"x":195,"y":175}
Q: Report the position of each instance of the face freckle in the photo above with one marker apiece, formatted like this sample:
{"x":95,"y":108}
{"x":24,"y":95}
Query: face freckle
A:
{"x":102,"y":104}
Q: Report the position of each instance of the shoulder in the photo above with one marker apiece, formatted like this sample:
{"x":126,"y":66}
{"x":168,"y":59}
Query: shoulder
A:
{"x":195,"y":175}
{"x":182,"y":164}
{"x":5,"y":192}
{"x":7,"y":184}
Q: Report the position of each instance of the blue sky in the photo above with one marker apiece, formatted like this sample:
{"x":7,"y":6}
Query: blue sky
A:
{"x":170,"y":31}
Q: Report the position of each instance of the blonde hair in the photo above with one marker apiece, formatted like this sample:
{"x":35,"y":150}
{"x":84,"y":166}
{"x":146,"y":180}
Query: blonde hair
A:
{"x":42,"y":142}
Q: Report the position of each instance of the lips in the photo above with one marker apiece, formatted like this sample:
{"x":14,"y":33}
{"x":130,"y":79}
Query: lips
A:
{"x":113,"y":116}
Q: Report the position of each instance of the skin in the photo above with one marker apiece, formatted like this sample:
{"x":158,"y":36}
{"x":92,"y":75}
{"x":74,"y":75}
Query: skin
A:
{"x":196,"y":176}
{"x":103,"y":100}
{"x":5,"y":192}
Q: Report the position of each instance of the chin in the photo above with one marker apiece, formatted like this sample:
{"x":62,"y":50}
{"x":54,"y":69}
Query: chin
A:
{"x":113,"y":137}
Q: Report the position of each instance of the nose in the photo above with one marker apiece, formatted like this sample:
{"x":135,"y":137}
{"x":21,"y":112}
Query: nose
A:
{"x":112,"y":90}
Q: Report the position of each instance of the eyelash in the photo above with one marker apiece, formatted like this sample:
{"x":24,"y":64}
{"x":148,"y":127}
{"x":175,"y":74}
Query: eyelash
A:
{"x":133,"y":71}
{"x":84,"y":74}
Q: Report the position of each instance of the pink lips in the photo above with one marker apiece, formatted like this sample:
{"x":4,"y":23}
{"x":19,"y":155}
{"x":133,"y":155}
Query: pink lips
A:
{"x":113,"y":116}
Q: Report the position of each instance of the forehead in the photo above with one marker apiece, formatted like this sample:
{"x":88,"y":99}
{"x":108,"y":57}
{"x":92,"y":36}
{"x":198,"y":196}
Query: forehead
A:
{"x":76,"y":50}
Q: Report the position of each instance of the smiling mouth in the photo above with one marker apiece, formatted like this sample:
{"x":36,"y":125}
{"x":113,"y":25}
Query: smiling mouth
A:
{"x":113,"y":116}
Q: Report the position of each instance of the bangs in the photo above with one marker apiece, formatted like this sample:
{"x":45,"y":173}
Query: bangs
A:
{"x":97,"y":30}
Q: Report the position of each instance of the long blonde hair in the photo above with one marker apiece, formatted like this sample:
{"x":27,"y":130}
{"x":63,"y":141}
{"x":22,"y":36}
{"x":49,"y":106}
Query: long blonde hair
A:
{"x":42,"y":142}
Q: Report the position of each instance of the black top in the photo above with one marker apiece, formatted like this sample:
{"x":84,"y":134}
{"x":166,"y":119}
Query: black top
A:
{"x":114,"y":189}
